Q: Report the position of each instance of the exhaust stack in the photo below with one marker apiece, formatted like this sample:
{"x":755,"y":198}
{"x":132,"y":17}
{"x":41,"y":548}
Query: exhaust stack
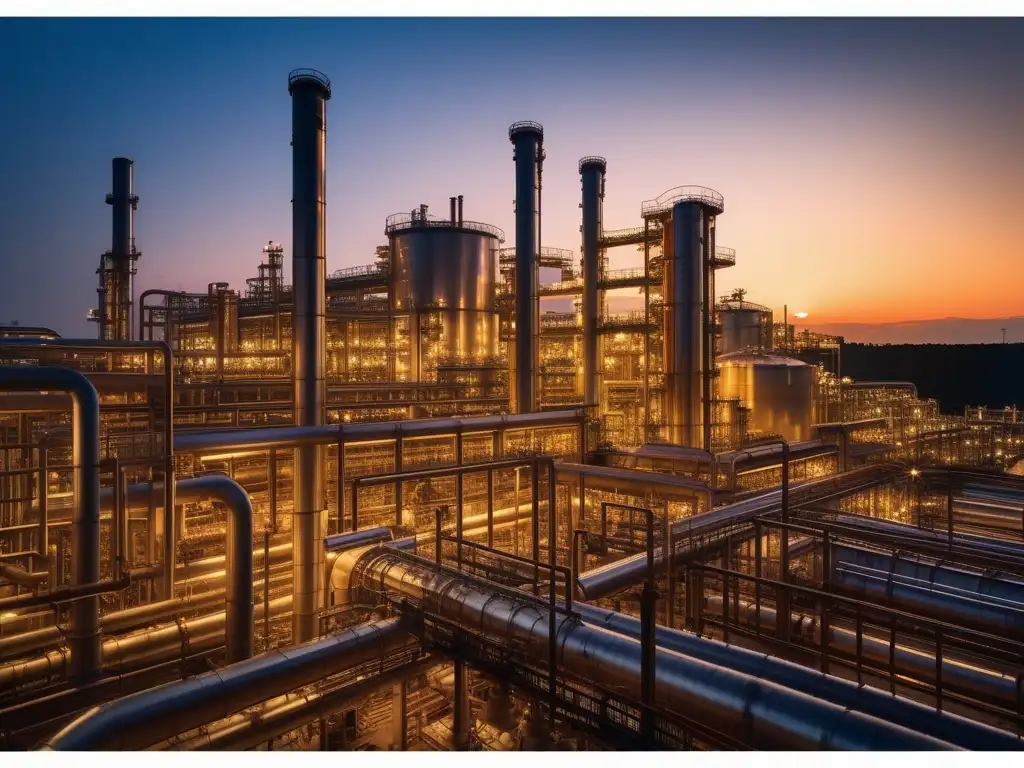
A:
{"x":592,"y":170}
{"x":310,"y":91}
{"x":528,"y":140}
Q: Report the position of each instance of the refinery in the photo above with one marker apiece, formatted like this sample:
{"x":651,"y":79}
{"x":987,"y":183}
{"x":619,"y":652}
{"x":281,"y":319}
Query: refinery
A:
{"x":399,"y":507}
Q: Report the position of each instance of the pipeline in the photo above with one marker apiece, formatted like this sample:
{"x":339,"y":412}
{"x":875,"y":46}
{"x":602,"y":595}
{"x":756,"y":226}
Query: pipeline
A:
{"x":138,"y":721}
{"x":927,"y":589}
{"x":982,"y":684}
{"x":901,"y":711}
{"x":702,"y":529}
{"x":84,"y":637}
{"x":135,"y":650}
{"x":767,"y":715}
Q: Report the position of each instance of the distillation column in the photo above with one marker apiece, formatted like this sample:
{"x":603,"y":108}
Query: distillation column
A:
{"x":592,"y":170}
{"x":683,"y":292}
{"x":528,"y":141}
{"x":310,"y":91}
{"x":117,"y":266}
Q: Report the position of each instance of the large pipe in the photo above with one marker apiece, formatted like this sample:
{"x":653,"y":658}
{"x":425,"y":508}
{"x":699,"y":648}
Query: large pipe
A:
{"x":871,"y":701}
{"x":927,"y":589}
{"x":39,"y":346}
{"x":683,"y":287}
{"x":528,"y":141}
{"x":592,"y":170}
{"x":702,"y":528}
{"x":148,"y":717}
{"x":264,"y":438}
{"x":759,"y":713}
{"x":969,"y":679}
{"x":310,"y":91}
{"x":84,"y":635}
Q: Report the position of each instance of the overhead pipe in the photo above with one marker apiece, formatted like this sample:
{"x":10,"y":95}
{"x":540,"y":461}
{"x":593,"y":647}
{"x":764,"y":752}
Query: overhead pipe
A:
{"x":136,"y":650}
{"x":761,"y":713}
{"x":527,"y":138}
{"x":969,"y":679}
{"x":592,"y":170}
{"x":703,"y":527}
{"x":84,"y":635}
{"x":905,"y":712}
{"x":9,"y":346}
{"x":310,"y":90}
{"x":138,"y":721}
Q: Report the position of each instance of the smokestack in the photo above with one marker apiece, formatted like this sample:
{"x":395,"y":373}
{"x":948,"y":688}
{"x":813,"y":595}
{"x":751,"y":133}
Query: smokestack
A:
{"x":310,"y":91}
{"x":117,"y":268}
{"x":451,"y":202}
{"x":528,"y":140}
{"x":592,"y":170}
{"x":460,"y":210}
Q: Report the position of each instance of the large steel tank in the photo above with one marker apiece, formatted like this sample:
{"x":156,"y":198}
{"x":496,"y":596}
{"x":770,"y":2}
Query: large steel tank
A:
{"x":779,"y":392}
{"x":741,"y":329}
{"x":444,"y":278}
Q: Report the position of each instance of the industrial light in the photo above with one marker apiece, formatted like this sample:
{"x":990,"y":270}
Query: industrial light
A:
{"x":915,"y":472}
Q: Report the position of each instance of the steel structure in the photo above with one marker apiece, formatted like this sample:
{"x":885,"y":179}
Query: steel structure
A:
{"x":397,"y":505}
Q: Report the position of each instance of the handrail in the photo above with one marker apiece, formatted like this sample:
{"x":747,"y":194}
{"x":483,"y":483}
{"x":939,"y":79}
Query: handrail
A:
{"x":593,"y":160}
{"x":685,"y":194}
{"x":400,"y":222}
{"x":305,"y":73}
{"x":525,"y":125}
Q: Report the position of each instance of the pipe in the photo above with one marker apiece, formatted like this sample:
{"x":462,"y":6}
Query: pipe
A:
{"x":592,"y":170}
{"x":310,"y":91}
{"x":528,"y":141}
{"x":84,"y":635}
{"x":90,"y":345}
{"x":760,"y":713}
{"x":979,"y":683}
{"x":702,"y":529}
{"x":265,"y":438}
{"x":22,"y":578}
{"x":901,"y":711}
{"x":148,"y":717}
{"x":159,"y":643}
{"x":286,"y":713}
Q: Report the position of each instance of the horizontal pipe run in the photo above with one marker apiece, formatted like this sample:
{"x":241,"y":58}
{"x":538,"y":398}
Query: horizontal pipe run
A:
{"x":871,"y":701}
{"x":968,"y":679}
{"x":148,"y":717}
{"x":760,"y":713}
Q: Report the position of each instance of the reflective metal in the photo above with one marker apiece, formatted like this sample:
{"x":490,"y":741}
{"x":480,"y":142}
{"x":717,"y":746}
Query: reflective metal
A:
{"x":951,"y":594}
{"x":969,"y":679}
{"x":760,"y":713}
{"x":84,"y":634}
{"x":592,"y":170}
{"x":871,"y":701}
{"x":778,"y":390}
{"x":444,"y":278}
{"x":145,"y":718}
{"x":741,"y":329}
{"x":683,"y":285}
{"x":528,"y":139}
{"x":310,"y":91}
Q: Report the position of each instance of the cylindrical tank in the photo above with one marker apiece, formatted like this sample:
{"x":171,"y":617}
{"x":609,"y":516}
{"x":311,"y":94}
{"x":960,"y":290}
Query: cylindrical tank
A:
{"x":592,"y":171}
{"x":444,"y":278}
{"x":741,"y":329}
{"x":779,"y":392}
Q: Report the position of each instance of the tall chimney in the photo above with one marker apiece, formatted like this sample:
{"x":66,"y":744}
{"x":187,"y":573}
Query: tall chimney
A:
{"x":451,"y":202}
{"x":592,"y":170}
{"x":117,"y":267}
{"x":460,"y":210}
{"x":310,"y":91}
{"x":528,"y":141}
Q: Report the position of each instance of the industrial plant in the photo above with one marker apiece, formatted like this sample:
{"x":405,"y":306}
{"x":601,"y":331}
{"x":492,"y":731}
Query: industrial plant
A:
{"x":400,"y":507}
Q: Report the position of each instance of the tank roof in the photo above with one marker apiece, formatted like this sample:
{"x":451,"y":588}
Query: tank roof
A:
{"x":760,"y":358}
{"x":397,"y":223}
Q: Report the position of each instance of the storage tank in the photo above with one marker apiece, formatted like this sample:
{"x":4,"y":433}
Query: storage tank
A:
{"x":744,"y":325}
{"x":779,"y":392}
{"x":444,"y":279}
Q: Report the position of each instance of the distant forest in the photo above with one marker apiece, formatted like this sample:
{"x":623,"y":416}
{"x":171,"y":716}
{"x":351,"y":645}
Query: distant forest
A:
{"x":957,"y":375}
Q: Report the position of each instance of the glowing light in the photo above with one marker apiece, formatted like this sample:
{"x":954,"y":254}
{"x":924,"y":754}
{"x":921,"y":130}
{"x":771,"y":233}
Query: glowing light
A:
{"x":915,"y":472}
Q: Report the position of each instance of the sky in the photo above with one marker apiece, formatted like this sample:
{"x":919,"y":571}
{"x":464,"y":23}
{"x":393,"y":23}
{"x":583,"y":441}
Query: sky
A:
{"x":872,"y":170}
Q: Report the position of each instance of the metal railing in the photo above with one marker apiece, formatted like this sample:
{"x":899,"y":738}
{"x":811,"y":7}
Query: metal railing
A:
{"x":402,"y":222}
{"x":685,"y":194}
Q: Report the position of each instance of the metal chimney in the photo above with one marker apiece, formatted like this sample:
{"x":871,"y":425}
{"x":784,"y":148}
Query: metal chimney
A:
{"x":528,"y":140}
{"x":460,"y":210}
{"x":117,"y":266}
{"x":592,"y":170}
{"x":451,"y":202}
{"x":310,"y":91}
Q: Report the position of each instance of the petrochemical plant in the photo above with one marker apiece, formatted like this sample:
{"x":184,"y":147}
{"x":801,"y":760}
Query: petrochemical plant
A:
{"x":399,"y":507}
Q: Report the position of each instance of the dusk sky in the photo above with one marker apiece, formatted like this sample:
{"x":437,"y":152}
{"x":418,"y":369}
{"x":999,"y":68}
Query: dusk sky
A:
{"x":872,"y":171}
